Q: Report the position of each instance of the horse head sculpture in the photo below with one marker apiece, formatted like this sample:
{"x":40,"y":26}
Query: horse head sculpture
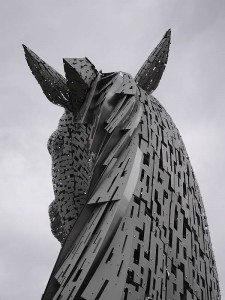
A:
{"x":127,"y":208}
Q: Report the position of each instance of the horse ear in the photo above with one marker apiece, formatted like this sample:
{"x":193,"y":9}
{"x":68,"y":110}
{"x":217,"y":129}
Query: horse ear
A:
{"x":148,"y":77}
{"x":52,"y":83}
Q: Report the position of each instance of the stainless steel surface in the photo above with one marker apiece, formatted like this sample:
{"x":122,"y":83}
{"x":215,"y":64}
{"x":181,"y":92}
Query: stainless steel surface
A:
{"x":127,"y":208}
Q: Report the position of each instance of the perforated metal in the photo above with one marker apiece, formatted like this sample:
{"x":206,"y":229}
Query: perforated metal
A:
{"x":127,"y":208}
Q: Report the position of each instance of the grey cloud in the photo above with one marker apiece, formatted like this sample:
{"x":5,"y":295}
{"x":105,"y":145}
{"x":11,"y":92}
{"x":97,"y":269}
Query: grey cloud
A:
{"x":114,"y":35}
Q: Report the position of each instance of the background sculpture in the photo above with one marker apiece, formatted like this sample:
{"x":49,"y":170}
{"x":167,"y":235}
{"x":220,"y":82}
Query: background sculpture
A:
{"x":127,"y":207}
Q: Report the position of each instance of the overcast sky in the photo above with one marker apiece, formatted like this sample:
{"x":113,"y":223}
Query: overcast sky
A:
{"x":115,"y":35}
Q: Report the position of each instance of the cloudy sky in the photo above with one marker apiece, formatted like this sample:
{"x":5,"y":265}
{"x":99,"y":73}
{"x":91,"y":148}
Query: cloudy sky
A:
{"x":114,"y":35}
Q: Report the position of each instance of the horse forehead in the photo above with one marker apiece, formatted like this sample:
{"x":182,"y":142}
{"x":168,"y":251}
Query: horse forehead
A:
{"x":122,"y":83}
{"x":127,"y":84}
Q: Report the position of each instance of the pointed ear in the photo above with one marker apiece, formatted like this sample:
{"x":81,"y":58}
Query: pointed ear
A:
{"x":52,"y":83}
{"x":80,"y":73}
{"x":148,"y":77}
